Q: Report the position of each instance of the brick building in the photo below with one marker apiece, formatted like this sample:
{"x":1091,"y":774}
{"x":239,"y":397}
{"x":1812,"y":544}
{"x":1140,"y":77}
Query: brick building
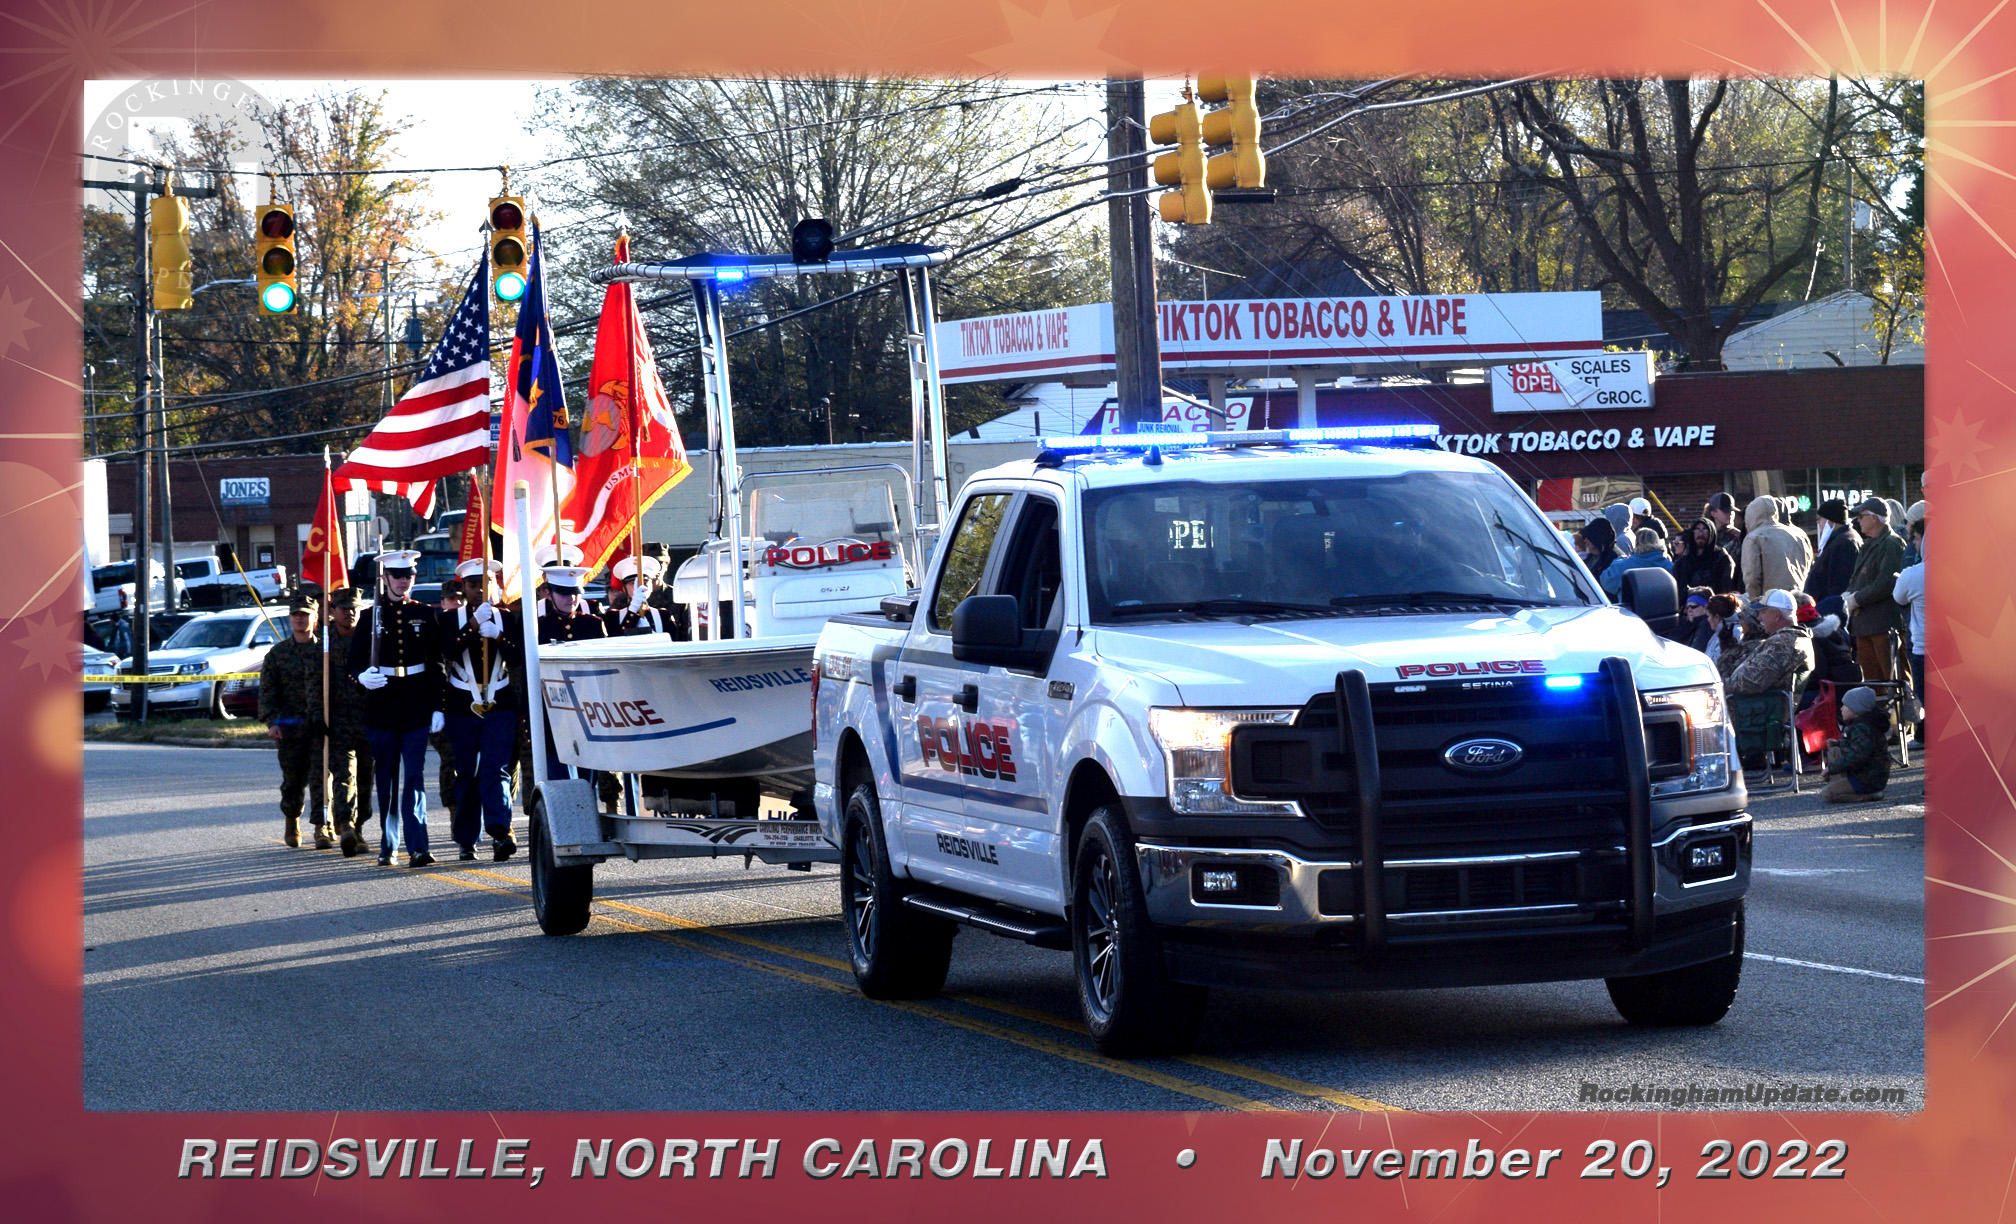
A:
{"x":268,"y":534}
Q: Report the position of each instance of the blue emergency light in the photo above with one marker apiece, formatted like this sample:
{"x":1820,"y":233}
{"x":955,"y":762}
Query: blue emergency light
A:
{"x":731,"y":274}
{"x":1564,"y":682}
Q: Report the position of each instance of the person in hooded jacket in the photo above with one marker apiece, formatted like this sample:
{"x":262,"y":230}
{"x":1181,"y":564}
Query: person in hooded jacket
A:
{"x":1599,"y":540}
{"x":1703,"y":561}
{"x":1833,"y":652}
{"x":1775,"y":556}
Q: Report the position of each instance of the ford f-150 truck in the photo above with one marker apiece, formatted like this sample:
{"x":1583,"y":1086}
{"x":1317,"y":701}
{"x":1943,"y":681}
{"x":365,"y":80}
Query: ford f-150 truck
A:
{"x":1330,"y":709}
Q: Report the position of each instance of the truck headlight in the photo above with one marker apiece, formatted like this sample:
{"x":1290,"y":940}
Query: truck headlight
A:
{"x":1197,"y":745}
{"x":1708,"y":737}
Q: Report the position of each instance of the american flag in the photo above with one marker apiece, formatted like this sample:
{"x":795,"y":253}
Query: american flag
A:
{"x":442,"y":423}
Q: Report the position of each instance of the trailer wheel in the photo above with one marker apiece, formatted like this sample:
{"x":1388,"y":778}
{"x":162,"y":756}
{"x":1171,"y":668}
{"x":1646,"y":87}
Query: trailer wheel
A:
{"x":560,"y":895}
{"x":897,"y":952}
{"x":1131,"y":1007}
{"x":1699,"y":994}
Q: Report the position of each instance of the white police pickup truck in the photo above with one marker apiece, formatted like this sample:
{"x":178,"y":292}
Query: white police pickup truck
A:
{"x":1327,"y":708}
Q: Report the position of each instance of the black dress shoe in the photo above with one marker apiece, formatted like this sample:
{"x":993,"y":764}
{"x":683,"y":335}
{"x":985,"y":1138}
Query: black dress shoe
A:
{"x":504,"y":848}
{"x":422,"y":859}
{"x":384,"y":860}
{"x":468,"y":854}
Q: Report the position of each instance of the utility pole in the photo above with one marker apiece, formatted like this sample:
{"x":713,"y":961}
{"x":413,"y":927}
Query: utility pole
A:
{"x":1848,"y":225}
{"x":1137,"y":347}
{"x":142,"y":186}
{"x":169,"y":600}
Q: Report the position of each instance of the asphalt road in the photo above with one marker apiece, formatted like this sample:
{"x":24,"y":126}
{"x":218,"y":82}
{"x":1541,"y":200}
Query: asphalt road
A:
{"x":225,"y":971}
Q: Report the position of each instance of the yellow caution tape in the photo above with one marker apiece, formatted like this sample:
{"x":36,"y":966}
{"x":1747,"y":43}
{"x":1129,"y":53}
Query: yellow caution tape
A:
{"x":186,"y":678}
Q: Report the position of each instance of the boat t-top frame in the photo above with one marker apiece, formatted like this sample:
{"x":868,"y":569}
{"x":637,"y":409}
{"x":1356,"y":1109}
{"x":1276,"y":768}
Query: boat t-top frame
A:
{"x":706,"y":273}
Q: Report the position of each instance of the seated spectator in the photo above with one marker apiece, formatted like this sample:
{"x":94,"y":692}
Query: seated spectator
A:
{"x":1782,"y":658}
{"x":1858,"y":765}
{"x":1723,"y":611}
{"x":1693,"y":628}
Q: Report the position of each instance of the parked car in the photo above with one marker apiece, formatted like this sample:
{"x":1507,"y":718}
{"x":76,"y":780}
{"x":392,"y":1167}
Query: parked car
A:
{"x":428,"y":593}
{"x":208,"y":645}
{"x":112,"y":586}
{"x":97,"y":694}
{"x":209,"y":582}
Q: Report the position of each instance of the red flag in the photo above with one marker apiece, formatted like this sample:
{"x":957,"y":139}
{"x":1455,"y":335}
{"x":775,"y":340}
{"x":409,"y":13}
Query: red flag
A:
{"x":322,"y":558}
{"x":475,"y":526}
{"x":630,"y":452}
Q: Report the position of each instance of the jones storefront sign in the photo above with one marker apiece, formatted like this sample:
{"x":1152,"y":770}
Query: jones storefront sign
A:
{"x":1534,"y":441}
{"x":244,"y":491}
{"x":1603,"y":380}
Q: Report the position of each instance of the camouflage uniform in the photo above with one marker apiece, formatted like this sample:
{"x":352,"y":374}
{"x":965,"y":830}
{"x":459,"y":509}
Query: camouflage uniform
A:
{"x":1779,"y":663}
{"x":290,"y":699}
{"x":350,"y":765}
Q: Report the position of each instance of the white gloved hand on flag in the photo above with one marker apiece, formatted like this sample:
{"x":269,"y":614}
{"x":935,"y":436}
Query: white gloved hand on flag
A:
{"x":372,"y":678}
{"x":491,"y":629}
{"x":639,"y":600}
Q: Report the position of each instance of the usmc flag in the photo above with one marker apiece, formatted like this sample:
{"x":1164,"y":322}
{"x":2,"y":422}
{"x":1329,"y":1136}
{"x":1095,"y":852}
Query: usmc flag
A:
{"x":322,"y":557}
{"x":630,"y":451}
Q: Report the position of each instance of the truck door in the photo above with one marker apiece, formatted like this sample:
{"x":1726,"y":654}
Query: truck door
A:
{"x":934,"y":699}
{"x":1014,"y":796}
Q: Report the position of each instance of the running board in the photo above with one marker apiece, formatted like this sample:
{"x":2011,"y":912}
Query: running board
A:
{"x":1014,"y":924}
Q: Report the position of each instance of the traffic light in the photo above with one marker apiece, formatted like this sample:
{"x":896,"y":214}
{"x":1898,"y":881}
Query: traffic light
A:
{"x":811,"y":241}
{"x":168,"y":261}
{"x":1191,"y":202}
{"x":274,"y":253}
{"x":1237,"y":125}
{"x":508,"y":249}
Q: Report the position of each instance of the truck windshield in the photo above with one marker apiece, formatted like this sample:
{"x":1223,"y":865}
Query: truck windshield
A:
{"x":1322,"y":546}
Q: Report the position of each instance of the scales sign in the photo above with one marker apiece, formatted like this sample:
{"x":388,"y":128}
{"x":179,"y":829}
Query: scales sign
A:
{"x":1605,"y":380}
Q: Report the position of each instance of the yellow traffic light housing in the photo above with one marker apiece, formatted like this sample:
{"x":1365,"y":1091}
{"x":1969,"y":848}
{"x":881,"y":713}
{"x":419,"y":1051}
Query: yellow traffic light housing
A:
{"x":168,"y":261}
{"x":1237,"y":125}
{"x":509,"y":252}
{"x":1191,"y":202}
{"x":273,"y":254}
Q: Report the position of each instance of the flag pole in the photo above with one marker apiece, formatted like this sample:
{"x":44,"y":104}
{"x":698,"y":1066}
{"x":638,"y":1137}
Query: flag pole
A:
{"x":638,"y":419}
{"x":482,"y":504}
{"x":328,"y":494}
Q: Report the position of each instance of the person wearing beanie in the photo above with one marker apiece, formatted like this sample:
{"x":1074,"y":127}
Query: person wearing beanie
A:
{"x":1694,"y":627}
{"x":1909,"y":592}
{"x":1600,"y":546}
{"x":1872,"y":610}
{"x":1647,"y":553}
{"x":1836,"y":560}
{"x":1858,"y":766}
{"x":1775,"y":556}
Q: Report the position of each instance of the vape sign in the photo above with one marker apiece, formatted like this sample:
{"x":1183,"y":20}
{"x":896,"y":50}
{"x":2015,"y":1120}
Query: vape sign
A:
{"x":1601,"y":381}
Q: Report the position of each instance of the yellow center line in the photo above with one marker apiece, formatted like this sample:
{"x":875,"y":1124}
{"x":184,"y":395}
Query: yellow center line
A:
{"x":1028,"y":1041}
{"x":1335,"y":1096}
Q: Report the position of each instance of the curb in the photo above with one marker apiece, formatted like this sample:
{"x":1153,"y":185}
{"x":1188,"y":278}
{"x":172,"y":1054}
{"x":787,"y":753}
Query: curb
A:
{"x":169,"y":742}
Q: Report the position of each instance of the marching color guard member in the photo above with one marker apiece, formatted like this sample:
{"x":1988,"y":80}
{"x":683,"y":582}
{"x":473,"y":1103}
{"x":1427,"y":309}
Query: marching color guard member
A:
{"x":482,"y":709}
{"x":634,"y":614}
{"x":351,"y":771}
{"x":396,"y":656}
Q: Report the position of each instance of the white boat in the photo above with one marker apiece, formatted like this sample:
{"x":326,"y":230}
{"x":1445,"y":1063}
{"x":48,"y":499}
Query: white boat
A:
{"x":730,"y":715}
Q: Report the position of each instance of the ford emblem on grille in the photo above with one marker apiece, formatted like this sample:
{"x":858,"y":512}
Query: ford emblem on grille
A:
{"x":1482,"y":755}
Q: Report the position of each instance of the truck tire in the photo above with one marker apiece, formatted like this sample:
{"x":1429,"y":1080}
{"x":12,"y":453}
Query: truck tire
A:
{"x":1131,"y":1007}
{"x":560,"y":895}
{"x":1698,"y":994}
{"x":897,"y":952}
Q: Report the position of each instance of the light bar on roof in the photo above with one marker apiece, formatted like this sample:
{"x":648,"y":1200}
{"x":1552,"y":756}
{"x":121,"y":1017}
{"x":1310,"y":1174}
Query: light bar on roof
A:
{"x":1346,"y":435}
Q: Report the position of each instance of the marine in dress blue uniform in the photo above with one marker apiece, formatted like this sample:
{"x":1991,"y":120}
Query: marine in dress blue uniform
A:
{"x":482,"y":708}
{"x":402,"y":702}
{"x":565,"y":618}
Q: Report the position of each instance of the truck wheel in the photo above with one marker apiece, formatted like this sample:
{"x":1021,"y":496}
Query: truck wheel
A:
{"x":1698,"y":994}
{"x":897,"y":952}
{"x":1131,"y":1007}
{"x":560,"y":895}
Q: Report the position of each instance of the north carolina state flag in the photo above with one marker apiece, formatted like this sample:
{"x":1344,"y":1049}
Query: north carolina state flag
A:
{"x":630,"y":451}
{"x":322,"y":558}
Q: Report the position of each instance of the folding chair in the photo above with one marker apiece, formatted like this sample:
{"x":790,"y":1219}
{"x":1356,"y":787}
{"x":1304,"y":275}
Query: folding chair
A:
{"x":1767,"y":724}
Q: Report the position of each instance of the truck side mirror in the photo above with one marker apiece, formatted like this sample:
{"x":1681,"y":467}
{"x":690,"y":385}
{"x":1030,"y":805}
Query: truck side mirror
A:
{"x":1653,"y":596}
{"x":985,"y":628}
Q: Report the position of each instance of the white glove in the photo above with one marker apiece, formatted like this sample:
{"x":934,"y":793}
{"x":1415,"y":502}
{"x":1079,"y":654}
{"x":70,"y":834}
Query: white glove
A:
{"x":639,"y":600}
{"x":371,"y":678}
{"x":487,"y":614}
{"x":435,"y":723}
{"x":1848,"y":604}
{"x":489,"y":628}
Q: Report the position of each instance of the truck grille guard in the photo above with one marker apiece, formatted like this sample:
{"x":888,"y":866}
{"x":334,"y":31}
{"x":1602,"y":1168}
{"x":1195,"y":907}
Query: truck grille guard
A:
{"x":1357,"y":741}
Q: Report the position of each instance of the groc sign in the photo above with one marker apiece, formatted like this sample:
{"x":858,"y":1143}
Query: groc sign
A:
{"x":1598,"y":381}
